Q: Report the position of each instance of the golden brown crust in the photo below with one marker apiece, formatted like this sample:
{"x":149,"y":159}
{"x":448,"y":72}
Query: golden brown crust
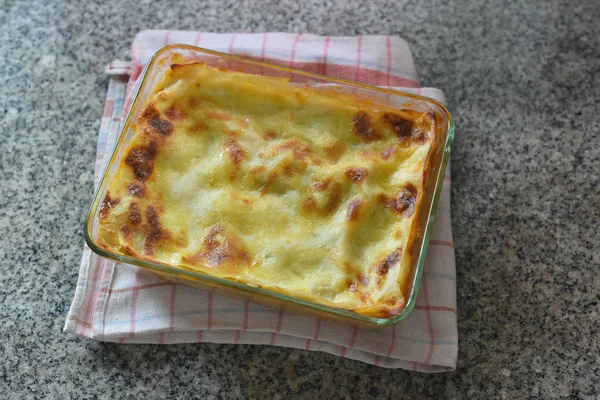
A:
{"x":362,"y":126}
{"x":141,"y":160}
{"x":356,"y":174}
{"x":353,"y":209}
{"x":404,"y":203}
{"x":136,"y":189}
{"x":107,"y":204}
{"x":301,"y":152}
{"x":221,"y":247}
{"x":176,"y":113}
{"x":334,"y":151}
{"x":236,"y":153}
{"x":405,"y":128}
{"x":135,"y":217}
{"x":155,"y":231}
{"x":388,"y":262}
{"x":153,"y":124}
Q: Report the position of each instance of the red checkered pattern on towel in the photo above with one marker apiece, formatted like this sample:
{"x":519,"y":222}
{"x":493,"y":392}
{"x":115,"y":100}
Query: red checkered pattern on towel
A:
{"x":118,"y":302}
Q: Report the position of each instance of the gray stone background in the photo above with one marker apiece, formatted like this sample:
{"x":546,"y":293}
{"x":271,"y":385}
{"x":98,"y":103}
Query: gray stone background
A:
{"x":523,"y":82}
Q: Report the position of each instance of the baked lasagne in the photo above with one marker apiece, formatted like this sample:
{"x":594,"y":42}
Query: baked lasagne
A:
{"x":301,"y":190}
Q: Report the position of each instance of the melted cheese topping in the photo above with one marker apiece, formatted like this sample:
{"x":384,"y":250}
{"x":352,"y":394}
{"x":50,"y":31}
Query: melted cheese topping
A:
{"x":304,"y":191}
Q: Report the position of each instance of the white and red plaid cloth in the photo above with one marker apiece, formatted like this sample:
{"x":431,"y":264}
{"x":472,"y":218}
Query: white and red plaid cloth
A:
{"x":120,"y":303}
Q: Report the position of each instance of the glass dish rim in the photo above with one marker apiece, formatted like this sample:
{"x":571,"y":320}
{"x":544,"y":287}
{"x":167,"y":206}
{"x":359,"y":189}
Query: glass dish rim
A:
{"x":231,"y":284}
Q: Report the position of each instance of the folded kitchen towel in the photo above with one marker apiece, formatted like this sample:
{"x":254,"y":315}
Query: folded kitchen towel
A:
{"x":121,"y":303}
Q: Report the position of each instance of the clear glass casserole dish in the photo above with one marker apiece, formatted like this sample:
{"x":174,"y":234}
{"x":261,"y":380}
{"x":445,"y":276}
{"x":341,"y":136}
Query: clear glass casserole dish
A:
{"x":421,"y":207}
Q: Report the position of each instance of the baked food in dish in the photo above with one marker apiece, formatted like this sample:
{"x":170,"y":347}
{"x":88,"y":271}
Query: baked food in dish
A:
{"x":306,"y":191}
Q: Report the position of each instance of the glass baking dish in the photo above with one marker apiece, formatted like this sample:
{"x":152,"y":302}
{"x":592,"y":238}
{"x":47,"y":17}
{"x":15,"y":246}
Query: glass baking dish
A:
{"x":154,"y":73}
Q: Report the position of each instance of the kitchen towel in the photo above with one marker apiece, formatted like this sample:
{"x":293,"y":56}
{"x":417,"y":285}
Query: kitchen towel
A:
{"x":121,"y":303}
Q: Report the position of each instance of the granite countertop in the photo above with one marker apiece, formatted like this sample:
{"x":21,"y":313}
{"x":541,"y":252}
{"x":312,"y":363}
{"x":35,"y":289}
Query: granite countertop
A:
{"x":523,"y":83}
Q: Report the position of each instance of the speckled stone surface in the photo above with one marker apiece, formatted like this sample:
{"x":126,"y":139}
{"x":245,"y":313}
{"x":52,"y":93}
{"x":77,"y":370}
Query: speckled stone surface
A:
{"x":523,"y":82}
